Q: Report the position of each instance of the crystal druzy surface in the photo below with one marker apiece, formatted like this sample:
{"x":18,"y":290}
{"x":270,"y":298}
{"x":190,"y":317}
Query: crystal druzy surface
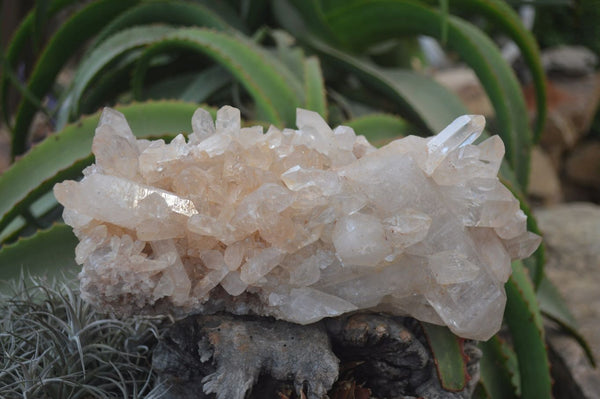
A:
{"x":298,"y":224}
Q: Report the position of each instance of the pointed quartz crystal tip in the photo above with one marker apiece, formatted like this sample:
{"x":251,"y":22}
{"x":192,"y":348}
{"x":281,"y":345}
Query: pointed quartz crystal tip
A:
{"x":203,"y":125}
{"x":297,"y":224}
{"x":116,"y":121}
{"x":463,"y":131}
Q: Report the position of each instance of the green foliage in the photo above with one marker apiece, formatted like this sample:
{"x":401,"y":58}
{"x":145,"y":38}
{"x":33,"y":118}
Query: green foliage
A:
{"x":41,"y":254}
{"x":498,"y":370}
{"x":266,"y":58}
{"x":524,"y":320}
{"x":571,"y":22}
{"x":54,"y":345}
{"x":448,"y":352}
{"x":66,"y":153}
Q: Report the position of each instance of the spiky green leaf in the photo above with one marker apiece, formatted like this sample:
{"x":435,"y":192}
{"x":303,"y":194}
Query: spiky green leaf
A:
{"x":22,"y":37}
{"x":67,"y":39}
{"x":362,"y":23}
{"x":106,"y":53}
{"x":427,"y":103}
{"x":170,"y":12}
{"x":276,"y":92}
{"x":502,"y":15}
{"x":379,"y":128}
{"x":65,"y":154}
{"x":314,"y":87}
{"x":449,"y":357}
{"x":195,"y":87}
{"x":49,"y":252}
{"x":524,"y":320}
{"x":496,"y":367}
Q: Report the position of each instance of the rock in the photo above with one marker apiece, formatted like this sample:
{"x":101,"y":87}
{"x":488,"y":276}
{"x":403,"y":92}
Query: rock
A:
{"x":572,"y":233}
{"x":569,"y":60}
{"x":544,"y":184}
{"x":297,"y":224}
{"x":572,"y":104}
{"x":223,"y":356}
{"x":464,"y":82}
{"x":583,"y":165}
{"x":571,"y":370}
{"x":392,"y":356}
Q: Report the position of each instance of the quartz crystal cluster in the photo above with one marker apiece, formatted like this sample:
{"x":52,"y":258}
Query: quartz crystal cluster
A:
{"x":299,"y":224}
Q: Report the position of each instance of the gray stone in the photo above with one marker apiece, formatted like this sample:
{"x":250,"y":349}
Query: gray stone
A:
{"x":571,"y":370}
{"x":569,"y":60}
{"x":464,"y":82}
{"x":572,"y":233}
{"x":583,"y":165}
{"x":544,"y":184}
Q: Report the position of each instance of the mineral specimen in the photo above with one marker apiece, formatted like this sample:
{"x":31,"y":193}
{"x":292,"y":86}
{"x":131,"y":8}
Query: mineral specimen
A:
{"x":297,"y":224}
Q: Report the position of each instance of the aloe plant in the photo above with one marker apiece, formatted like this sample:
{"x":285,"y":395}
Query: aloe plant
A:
{"x":161,"y":58}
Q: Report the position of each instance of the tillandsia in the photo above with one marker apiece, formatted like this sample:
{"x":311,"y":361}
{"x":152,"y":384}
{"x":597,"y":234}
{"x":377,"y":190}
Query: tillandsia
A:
{"x":297,"y":224}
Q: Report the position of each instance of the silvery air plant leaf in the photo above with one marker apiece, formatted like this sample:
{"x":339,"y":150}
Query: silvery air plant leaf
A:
{"x":297,"y":224}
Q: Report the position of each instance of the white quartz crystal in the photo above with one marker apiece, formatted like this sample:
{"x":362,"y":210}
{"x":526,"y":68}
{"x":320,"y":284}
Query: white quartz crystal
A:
{"x":297,"y":224}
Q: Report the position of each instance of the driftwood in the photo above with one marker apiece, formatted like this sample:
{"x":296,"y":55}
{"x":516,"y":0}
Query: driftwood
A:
{"x":234,"y":357}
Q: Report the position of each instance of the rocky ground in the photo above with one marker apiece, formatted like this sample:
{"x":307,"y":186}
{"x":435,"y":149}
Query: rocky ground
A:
{"x":572,"y":234}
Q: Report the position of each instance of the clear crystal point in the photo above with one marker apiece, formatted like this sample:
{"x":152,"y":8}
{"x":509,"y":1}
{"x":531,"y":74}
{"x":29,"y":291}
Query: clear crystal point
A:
{"x":463,"y":131}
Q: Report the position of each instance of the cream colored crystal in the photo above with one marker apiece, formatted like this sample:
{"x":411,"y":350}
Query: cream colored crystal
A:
{"x":297,"y":224}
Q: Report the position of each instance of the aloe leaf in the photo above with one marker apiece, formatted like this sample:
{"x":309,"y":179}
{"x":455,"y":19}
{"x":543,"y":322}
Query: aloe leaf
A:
{"x":379,"y":128}
{"x":496,"y":369}
{"x":287,"y":58}
{"x":70,"y":36}
{"x":292,"y":57}
{"x":524,"y":320}
{"x":143,"y":63}
{"x":11,"y":76}
{"x":449,"y":357}
{"x":273,"y":90}
{"x":314,"y":87}
{"x":40,"y":19}
{"x":427,"y":103}
{"x":105,"y":89}
{"x":195,"y":87}
{"x":253,"y":12}
{"x":191,"y":87}
{"x":553,"y":306}
{"x":108,"y":51}
{"x":48,"y":252}
{"x":312,"y":16}
{"x":64,"y":154}
{"x":363,"y":23}
{"x":500,"y":14}
{"x":226,"y":11}
{"x":273,"y":87}
{"x":535,"y":263}
{"x":19,"y":41}
{"x":169,"y":12}
{"x":481,"y":392}
{"x":44,"y":210}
